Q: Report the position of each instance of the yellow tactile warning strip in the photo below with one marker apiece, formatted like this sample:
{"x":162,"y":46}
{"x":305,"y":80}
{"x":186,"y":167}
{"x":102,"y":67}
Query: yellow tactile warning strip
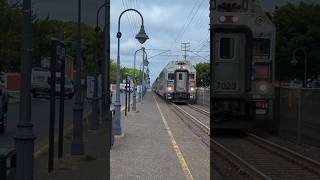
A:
{"x":182,"y":161}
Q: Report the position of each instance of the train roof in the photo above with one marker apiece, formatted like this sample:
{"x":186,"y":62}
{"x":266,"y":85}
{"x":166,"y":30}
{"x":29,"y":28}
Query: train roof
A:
{"x":175,"y":64}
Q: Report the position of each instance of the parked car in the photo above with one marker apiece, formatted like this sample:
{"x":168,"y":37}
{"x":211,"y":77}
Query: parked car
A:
{"x":40,"y":83}
{"x":4,"y":101}
{"x":69,"y":89}
{"x":315,"y":84}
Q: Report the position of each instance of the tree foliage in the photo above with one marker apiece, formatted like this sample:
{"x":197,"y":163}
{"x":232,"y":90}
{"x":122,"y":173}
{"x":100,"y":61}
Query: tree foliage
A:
{"x":203,"y":74}
{"x":137,"y":72}
{"x":10,"y":38}
{"x":42,"y":31}
{"x":297,"y":26}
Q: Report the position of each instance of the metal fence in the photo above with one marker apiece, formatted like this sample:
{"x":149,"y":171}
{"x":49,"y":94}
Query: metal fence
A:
{"x":298,"y":114}
{"x":203,"y":97}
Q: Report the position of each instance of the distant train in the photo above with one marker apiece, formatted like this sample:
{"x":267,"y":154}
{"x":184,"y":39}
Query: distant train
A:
{"x":177,"y":82}
{"x":242,"y":64}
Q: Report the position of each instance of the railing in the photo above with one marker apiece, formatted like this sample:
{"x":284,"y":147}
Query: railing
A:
{"x":297,"y":114}
{"x":203,"y":97}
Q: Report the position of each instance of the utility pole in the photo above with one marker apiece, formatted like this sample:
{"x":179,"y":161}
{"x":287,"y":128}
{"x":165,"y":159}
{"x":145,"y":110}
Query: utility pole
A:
{"x":77,"y":146}
{"x":185,"y":47}
{"x":107,"y":83}
{"x":25,"y":138}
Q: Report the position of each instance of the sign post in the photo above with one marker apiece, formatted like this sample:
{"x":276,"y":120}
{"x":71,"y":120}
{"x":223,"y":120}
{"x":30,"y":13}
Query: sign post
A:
{"x":57,"y":52}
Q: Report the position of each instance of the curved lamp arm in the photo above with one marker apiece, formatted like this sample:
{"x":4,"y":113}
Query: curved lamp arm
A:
{"x":97,"y":29}
{"x":119,"y":33}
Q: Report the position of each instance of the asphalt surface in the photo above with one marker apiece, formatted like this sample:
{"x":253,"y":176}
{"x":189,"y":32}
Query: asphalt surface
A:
{"x":40,"y":119}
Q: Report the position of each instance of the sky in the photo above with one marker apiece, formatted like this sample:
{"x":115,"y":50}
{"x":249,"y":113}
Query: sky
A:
{"x":168,"y":23}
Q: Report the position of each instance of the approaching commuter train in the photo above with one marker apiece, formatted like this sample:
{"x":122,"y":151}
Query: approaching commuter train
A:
{"x":177,"y":82}
{"x":242,"y":64}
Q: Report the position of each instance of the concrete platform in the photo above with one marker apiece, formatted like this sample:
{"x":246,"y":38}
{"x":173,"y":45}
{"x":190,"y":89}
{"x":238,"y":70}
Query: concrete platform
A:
{"x":155,"y":145}
{"x":158,"y":146}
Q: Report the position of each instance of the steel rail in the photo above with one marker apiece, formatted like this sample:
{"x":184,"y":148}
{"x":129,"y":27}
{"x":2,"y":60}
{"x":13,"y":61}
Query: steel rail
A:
{"x":198,"y":123}
{"x":202,"y":111}
{"x":220,"y":149}
{"x":300,"y":159}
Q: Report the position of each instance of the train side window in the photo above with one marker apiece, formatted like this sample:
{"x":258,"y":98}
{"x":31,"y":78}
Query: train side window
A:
{"x":191,"y":76}
{"x":226,"y":48}
{"x":180,"y":77}
{"x":261,"y":49}
{"x":170,"y":76}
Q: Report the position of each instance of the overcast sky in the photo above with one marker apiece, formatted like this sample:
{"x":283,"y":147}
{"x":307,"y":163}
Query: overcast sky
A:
{"x":167,"y":22}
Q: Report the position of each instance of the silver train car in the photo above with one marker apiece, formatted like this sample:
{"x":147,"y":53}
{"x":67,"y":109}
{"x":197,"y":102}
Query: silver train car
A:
{"x":177,"y":82}
{"x":242,"y":64}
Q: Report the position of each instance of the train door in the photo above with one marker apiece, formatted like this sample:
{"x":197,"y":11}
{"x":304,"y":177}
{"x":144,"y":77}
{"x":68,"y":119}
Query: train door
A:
{"x":229,"y":64}
{"x":181,"y":81}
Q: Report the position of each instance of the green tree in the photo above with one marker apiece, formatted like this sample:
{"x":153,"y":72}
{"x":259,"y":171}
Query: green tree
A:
{"x":10,"y":37}
{"x":203,"y":74}
{"x":297,"y":26}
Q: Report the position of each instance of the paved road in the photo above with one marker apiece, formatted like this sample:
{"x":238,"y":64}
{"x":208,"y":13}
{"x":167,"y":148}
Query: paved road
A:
{"x":40,"y":119}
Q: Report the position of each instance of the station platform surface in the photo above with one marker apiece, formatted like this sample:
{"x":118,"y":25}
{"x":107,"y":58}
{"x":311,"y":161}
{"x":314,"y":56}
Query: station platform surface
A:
{"x":155,"y":144}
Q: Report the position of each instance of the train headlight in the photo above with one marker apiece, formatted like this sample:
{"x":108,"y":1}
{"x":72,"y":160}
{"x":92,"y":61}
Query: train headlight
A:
{"x":263,"y":87}
{"x":169,"y":88}
{"x":192,"y":88}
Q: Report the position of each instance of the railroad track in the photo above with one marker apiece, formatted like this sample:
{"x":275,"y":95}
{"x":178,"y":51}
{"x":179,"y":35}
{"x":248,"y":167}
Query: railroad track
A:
{"x":262,"y":159}
{"x":199,"y":127}
{"x":252,"y":156}
{"x":200,"y":110}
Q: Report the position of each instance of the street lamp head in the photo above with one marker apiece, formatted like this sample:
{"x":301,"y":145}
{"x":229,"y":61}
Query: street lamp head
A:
{"x":142,"y":36}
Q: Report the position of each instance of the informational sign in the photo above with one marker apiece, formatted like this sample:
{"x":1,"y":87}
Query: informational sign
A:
{"x":90,"y":86}
{"x":61,"y":52}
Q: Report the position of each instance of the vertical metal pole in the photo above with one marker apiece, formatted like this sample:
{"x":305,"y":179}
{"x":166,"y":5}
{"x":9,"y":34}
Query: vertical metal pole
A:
{"x":24,"y":138}
{"x":105,"y":71}
{"x":117,"y":105}
{"x":299,"y":115}
{"x":129,"y":83}
{"x":134,"y":105}
{"x":77,"y":146}
{"x":52,"y":104}
{"x":126,"y":101}
{"x":140,"y":88}
{"x":143,"y":74}
{"x":305,"y":68}
{"x":106,"y":78}
{"x":61,"y":113}
{"x":95,"y":105}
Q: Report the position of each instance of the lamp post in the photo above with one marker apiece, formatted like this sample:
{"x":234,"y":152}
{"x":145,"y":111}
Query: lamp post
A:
{"x":129,"y":84}
{"x":294,"y":61}
{"x":126,"y":101}
{"x":77,"y":146}
{"x":141,"y":82}
{"x":134,"y":103}
{"x":25,"y":138}
{"x":144,"y":63}
{"x":141,"y":37}
{"x":95,"y":99}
